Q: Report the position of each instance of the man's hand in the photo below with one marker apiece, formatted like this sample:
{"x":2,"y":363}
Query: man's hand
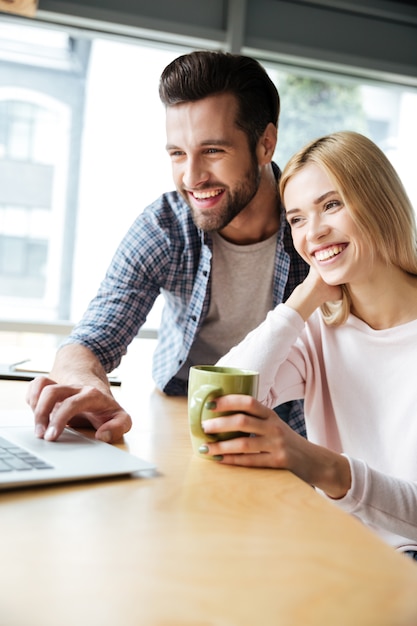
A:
{"x":54,"y":406}
{"x":77,"y":387}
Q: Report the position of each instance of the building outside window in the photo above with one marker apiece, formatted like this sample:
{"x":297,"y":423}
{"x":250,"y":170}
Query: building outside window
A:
{"x":34,"y":162}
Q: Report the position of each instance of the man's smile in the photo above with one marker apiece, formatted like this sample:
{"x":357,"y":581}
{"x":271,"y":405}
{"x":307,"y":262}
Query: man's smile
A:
{"x":205,"y":195}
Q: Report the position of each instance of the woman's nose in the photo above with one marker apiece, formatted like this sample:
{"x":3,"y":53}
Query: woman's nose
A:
{"x":318,"y":228}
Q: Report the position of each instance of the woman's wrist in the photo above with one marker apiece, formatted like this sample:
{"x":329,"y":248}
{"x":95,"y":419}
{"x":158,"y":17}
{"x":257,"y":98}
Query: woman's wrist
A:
{"x":337,"y":480}
{"x":327,"y":470}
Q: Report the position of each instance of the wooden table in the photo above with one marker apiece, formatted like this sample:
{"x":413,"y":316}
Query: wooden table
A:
{"x":197,"y":544}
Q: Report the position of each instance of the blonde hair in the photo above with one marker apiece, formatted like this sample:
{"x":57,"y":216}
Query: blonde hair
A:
{"x":373,"y":194}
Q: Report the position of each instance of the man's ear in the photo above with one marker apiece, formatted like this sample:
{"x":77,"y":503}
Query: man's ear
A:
{"x":267,"y":143}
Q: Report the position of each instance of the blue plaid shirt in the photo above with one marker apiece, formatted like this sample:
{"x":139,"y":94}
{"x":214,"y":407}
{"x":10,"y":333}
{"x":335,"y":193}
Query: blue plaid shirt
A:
{"x":164,"y":252}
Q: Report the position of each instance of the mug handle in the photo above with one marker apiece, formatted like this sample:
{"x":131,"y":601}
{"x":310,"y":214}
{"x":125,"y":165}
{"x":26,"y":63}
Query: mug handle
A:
{"x":197,"y":401}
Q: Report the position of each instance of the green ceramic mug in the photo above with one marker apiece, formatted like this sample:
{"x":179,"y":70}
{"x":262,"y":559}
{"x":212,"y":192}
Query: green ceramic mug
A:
{"x":207,"y":382}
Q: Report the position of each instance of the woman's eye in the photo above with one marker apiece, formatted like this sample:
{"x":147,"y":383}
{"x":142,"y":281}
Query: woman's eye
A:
{"x":334,"y":204}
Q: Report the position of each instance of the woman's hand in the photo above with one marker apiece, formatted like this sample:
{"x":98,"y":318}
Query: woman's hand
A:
{"x":312,"y":293}
{"x":273,"y":444}
{"x":266,"y":447}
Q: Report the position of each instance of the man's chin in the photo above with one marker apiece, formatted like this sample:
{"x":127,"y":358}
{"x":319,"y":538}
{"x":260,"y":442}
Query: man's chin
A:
{"x":207,"y":223}
{"x":208,"y":220}
{"x":207,"y":226}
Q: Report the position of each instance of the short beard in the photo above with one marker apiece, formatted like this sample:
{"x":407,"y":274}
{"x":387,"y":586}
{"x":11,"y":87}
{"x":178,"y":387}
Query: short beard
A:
{"x":237,"y":201}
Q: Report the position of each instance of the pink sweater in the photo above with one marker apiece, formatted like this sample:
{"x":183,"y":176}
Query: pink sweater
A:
{"x":360,"y":392}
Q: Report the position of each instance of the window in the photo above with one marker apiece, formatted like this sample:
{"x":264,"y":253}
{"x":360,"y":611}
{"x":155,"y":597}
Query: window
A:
{"x":30,"y":145}
{"x":82,"y":136}
{"x":81,"y":153}
{"x":314,"y":105}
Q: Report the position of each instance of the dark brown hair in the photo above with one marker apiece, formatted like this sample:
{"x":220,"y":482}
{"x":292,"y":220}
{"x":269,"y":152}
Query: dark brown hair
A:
{"x":200,"y":74}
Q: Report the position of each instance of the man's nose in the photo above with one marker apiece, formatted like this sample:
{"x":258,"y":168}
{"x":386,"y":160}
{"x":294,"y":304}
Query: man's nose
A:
{"x":195,"y":173}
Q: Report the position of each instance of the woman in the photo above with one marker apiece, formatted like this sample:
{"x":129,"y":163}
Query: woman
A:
{"x":345,"y":341}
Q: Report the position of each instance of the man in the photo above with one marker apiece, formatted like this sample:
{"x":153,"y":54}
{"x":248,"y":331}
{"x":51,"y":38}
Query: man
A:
{"x":218,"y":248}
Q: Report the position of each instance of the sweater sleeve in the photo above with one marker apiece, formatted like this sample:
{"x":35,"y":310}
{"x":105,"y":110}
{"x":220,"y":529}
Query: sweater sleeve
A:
{"x":266,"y":350}
{"x":381,"y":500}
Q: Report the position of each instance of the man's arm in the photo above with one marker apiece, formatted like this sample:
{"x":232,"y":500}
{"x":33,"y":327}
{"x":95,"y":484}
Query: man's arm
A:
{"x":76,"y":387}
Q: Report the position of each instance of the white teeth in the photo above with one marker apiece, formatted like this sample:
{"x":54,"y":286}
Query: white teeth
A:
{"x":328,"y":253}
{"x":203,"y":195}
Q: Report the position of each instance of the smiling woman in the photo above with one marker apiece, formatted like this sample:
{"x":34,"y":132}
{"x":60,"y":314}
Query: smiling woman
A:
{"x":352,"y":366}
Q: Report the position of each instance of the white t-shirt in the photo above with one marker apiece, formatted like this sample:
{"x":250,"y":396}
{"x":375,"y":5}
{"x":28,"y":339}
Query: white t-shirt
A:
{"x":240,"y":298}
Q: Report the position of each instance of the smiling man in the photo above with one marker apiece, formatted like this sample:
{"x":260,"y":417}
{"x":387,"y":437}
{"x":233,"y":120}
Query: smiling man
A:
{"x":214,"y":171}
{"x":218,"y":249}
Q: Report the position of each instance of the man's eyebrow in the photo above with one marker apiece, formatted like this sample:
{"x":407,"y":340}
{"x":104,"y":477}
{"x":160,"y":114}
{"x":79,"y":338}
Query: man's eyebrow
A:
{"x":207,"y":142}
{"x":316,"y":201}
{"x":216,"y":142}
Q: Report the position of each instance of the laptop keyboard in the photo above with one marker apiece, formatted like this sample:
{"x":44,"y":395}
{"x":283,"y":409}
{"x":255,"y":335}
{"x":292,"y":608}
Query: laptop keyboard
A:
{"x":15,"y":458}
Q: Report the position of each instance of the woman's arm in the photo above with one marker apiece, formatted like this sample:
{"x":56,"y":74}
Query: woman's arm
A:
{"x":382,"y":500}
{"x":267,"y":348}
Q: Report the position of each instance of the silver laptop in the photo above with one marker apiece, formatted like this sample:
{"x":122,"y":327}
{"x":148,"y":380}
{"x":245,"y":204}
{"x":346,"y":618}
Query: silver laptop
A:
{"x":26,"y":460}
